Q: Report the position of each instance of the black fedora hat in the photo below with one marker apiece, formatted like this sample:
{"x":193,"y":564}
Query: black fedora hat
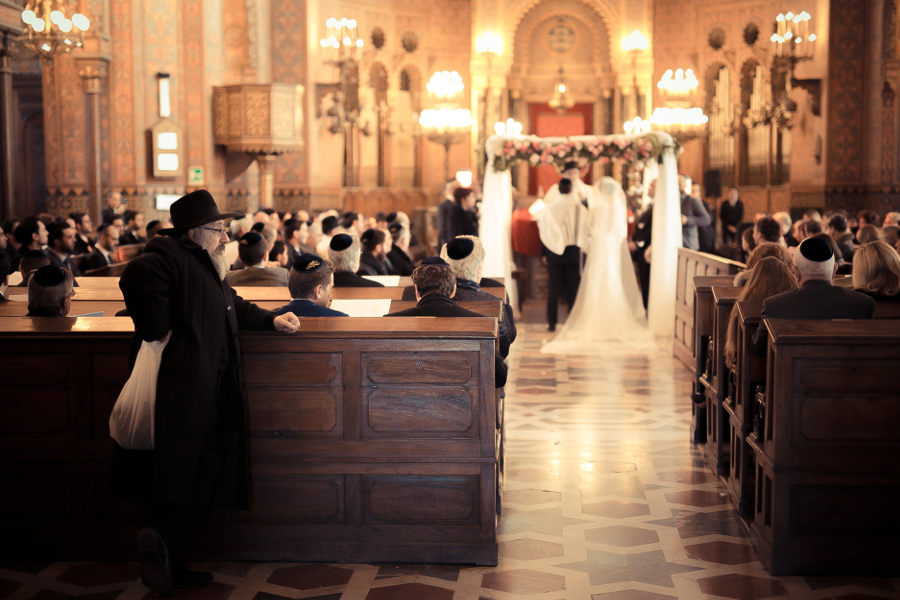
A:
{"x":193,"y":210}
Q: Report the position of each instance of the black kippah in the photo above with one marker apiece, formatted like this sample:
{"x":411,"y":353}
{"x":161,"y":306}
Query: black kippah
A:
{"x":258,"y":227}
{"x":349,"y":215}
{"x":251,"y":239}
{"x":340,"y":242}
{"x":33,"y":254}
{"x":459,"y":248}
{"x":816,"y":250}
{"x":570,"y":165}
{"x":49,"y":276}
{"x":367,"y":235}
{"x":434,"y":261}
{"x":565,"y":186}
{"x":308,"y":263}
{"x":391,"y":217}
{"x":395,"y":227}
{"x":329,"y":223}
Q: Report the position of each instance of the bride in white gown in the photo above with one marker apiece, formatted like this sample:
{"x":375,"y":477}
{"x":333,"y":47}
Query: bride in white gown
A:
{"x":608,"y":307}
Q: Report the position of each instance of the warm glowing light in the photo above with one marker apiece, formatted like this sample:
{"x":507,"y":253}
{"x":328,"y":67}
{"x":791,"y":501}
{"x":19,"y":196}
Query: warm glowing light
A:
{"x":464,"y":178}
{"x":489,"y":42}
{"x":342,"y":36}
{"x":510,"y":127}
{"x":56,"y":16}
{"x":636,"y":42}
{"x":679,"y":83}
{"x":81,"y":22}
{"x":637,"y":125}
{"x":445,"y":84}
{"x":28,"y":16}
{"x":793,"y":28}
{"x":446,"y":118}
{"x":664,"y":117}
{"x":38,"y":26}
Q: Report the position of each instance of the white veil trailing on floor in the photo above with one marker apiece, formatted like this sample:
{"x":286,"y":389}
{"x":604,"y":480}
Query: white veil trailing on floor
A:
{"x":496,"y":224}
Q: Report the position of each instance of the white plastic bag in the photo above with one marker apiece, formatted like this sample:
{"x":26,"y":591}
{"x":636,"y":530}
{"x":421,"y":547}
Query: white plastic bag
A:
{"x":131,"y":423}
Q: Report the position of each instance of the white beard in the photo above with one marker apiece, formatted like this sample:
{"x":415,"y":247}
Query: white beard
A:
{"x":219,"y":262}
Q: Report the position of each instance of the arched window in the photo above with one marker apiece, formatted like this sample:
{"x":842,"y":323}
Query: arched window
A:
{"x":721,"y":117}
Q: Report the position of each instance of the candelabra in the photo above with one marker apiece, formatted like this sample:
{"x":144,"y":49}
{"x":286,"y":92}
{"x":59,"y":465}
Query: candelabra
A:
{"x":636,"y":125}
{"x":446,"y":126}
{"x":50,"y":29}
{"x":634,"y":44}
{"x":510,"y":127}
{"x":678,"y":84}
{"x":562,"y":100}
{"x":683,"y":124}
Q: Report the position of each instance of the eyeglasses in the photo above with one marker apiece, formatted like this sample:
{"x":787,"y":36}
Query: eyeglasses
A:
{"x":221,"y":232}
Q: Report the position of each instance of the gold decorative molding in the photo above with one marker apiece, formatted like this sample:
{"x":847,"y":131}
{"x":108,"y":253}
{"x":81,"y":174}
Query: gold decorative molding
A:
{"x":259,"y":119}
{"x":93,"y":71}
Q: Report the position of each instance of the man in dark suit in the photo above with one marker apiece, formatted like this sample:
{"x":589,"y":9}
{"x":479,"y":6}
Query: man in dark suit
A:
{"x":837,"y":228}
{"x":5,"y":270}
{"x":816,"y":297}
{"x":60,"y":243}
{"x":401,"y":263}
{"x":134,"y":223}
{"x":731,"y":214}
{"x":252,"y":253}
{"x":310,"y":283}
{"x":640,"y":243}
{"x":435,"y":286}
{"x":84,"y":230}
{"x":344,"y":253}
{"x":296,"y":234}
{"x":105,"y":250}
{"x":445,"y":207}
{"x":374,"y":252}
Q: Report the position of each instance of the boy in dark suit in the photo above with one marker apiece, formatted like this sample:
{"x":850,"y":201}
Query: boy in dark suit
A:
{"x":310,"y":282}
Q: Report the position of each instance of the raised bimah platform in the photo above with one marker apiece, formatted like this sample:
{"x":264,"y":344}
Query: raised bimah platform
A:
{"x":370,"y":440}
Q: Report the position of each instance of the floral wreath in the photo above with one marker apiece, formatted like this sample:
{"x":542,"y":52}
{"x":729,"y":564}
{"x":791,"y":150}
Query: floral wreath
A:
{"x":605,"y":150}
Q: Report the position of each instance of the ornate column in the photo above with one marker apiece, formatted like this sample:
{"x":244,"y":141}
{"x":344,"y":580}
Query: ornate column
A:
{"x":93,"y":72}
{"x":7,"y":151}
{"x":266,"y":164}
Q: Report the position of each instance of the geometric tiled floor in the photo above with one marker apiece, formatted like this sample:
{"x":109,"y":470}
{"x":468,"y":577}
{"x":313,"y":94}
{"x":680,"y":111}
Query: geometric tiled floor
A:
{"x":604,"y":499}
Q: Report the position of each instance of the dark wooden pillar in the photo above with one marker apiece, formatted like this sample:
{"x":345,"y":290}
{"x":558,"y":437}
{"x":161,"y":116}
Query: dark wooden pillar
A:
{"x":7,"y":150}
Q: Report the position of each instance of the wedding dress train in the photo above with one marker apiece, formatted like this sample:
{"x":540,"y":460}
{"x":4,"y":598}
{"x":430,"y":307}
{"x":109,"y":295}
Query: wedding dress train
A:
{"x":608,"y":310}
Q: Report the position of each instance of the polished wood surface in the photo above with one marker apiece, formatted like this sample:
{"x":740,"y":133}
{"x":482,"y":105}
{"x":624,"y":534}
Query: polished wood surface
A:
{"x":370,"y":440}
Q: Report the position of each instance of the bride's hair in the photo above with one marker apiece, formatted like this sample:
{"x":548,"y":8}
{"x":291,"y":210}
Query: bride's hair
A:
{"x":609,"y":186}
{"x":770,"y":276}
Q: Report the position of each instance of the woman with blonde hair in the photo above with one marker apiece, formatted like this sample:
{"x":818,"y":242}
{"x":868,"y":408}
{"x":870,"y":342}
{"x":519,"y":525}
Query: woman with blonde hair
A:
{"x":764,"y":250}
{"x":876,"y":271}
{"x":867,"y":234}
{"x":770,"y":276}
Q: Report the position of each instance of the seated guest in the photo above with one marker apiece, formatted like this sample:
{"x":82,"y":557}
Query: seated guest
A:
{"x":843,"y":267}
{"x":153,"y":228}
{"x":296,"y":235}
{"x":60,"y":244}
{"x":134,"y":222}
{"x":5,"y":270}
{"x":435,"y":285}
{"x":748,"y":244}
{"x":838,"y":229}
{"x":401,"y":263}
{"x":463,"y":219}
{"x":114,"y":205}
{"x":252,"y":254}
{"x":867,"y":234}
{"x":375,"y":246}
{"x":868,"y":217}
{"x":29,"y":262}
{"x":784,"y":219}
{"x":807,"y":229}
{"x":310,"y":282}
{"x":31,"y":234}
{"x":876,"y":271}
{"x":892,"y":218}
{"x":329,"y":224}
{"x":84,"y":229}
{"x":465,"y":255}
{"x":771,"y":275}
{"x":403,"y":218}
{"x":767,"y":229}
{"x":105,"y":249}
{"x":344,"y":253}
{"x":816,"y":297}
{"x":279,"y":255}
{"x":764,"y":250}
{"x":50,"y":292}
{"x":890,"y":234}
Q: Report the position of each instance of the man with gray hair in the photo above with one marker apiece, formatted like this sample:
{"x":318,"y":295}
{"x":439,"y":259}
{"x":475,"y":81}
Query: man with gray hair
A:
{"x":344,"y":252}
{"x":816,"y":297}
{"x":401,"y":263}
{"x":50,"y":292}
{"x":892,"y":218}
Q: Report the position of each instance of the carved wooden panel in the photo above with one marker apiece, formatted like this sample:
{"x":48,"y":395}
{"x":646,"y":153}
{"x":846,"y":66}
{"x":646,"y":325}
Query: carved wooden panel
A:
{"x":834,"y":511}
{"x":315,"y":499}
{"x":850,"y":418}
{"x":420,"y":411}
{"x":308,"y":412}
{"x":110,"y":373}
{"x":48,"y":370}
{"x":418,"y":368}
{"x":306,"y":369}
{"x":420,"y":500}
{"x":846,"y":79}
{"x":18,"y":411}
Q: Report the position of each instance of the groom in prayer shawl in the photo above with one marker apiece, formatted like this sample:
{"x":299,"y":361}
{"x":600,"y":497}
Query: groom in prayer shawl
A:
{"x":564,"y":227}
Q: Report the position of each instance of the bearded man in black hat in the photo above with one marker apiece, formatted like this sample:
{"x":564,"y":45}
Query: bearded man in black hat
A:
{"x":816,"y":297}
{"x":177,"y":289}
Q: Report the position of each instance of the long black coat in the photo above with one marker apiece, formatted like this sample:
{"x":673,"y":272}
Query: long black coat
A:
{"x":401,"y":263}
{"x":174,"y":286}
{"x":461,"y":222}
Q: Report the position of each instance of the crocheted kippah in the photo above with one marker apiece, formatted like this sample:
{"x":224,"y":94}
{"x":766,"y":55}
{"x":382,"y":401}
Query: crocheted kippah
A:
{"x":308,"y":263}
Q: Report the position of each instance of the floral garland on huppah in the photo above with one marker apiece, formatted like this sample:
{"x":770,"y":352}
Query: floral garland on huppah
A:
{"x":634,"y":151}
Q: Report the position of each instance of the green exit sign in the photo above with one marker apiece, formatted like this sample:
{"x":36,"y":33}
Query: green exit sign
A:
{"x":195,"y":176}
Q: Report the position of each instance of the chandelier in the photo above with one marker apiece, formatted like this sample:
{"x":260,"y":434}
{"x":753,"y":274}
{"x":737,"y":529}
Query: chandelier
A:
{"x":51,"y":28}
{"x":510,"y":127}
{"x":683,"y":124}
{"x":679,"y":84}
{"x":562,"y":100}
{"x":444,"y":85}
{"x":341,"y":42}
{"x":793,"y":29}
{"x":636,"y":125}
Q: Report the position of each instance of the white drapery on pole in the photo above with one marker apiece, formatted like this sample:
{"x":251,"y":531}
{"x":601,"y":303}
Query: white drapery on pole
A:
{"x":496,"y":225}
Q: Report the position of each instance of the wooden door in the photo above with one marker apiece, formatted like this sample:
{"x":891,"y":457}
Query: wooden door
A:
{"x":546,"y":122}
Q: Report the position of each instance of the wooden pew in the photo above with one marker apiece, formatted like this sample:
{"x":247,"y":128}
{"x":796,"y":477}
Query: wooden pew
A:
{"x":693,"y":264}
{"x":827,"y":477}
{"x":702,"y":330}
{"x":370,"y":440}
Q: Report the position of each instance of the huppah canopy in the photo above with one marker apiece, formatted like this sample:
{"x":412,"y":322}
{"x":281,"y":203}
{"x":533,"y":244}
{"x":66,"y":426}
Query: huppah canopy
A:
{"x":638,"y":151}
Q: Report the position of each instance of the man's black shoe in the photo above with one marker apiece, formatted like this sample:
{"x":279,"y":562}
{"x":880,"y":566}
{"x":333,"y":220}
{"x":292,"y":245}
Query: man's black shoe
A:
{"x":183,"y":578}
{"x":156,"y":567}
